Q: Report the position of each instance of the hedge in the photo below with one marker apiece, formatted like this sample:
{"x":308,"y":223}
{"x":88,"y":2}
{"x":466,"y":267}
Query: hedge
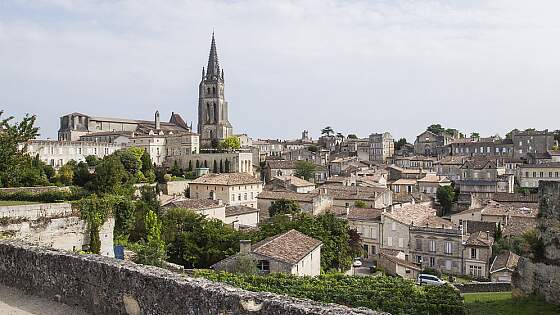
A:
{"x":390,"y":294}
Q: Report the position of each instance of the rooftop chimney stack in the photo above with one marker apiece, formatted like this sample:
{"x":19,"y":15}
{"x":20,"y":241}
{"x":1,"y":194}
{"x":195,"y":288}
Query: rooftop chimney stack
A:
{"x":244,"y":246}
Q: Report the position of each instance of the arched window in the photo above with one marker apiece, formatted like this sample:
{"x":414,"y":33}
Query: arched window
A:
{"x":214,"y":90}
{"x":208,"y":91}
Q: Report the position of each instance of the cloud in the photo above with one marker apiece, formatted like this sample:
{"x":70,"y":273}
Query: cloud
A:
{"x":360,"y":66}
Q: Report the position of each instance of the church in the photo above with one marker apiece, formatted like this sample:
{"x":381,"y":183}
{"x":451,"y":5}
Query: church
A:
{"x":213,"y":123}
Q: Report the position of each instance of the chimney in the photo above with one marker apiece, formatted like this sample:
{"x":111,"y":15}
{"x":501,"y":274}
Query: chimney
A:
{"x":157,"y":121}
{"x":244,"y":246}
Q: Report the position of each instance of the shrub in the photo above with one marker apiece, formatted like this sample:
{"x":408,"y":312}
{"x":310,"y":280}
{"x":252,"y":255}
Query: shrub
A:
{"x":47,"y":196}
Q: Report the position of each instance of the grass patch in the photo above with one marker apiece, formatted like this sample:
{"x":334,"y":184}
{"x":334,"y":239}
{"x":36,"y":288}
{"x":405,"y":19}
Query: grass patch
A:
{"x":16,"y":202}
{"x":501,"y":303}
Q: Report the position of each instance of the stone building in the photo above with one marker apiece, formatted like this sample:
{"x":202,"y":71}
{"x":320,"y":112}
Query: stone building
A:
{"x":431,"y":144}
{"x":232,"y":188}
{"x":57,"y":153}
{"x":503,"y":266}
{"x":367,"y":223}
{"x":482,"y":178}
{"x":291,"y":183}
{"x":396,"y":226}
{"x":291,"y":252}
{"x":381,"y":147}
{"x":75,"y":125}
{"x":437,"y":243}
{"x":430,"y":183}
{"x":450,"y":167}
{"x":345,"y":196}
{"x":313,"y":203}
{"x":275,"y":168}
{"x":490,"y":147}
{"x":531,"y":141}
{"x":529,"y":175}
{"x":213,"y":123}
{"x":477,"y":251}
{"x":211,"y":208}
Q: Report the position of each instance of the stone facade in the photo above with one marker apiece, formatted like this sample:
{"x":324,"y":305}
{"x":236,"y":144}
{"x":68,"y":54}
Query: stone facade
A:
{"x":437,"y":248}
{"x":103,"y":285}
{"x":529,"y":175}
{"x":57,"y":153}
{"x":381,"y":146}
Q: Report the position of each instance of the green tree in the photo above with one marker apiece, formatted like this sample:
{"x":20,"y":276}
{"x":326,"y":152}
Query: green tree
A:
{"x":215,"y":167}
{"x":146,"y":162}
{"x":355,"y":243}
{"x":352,"y":136}
{"x":81,"y":174}
{"x":95,"y":210}
{"x":196,"y":242}
{"x":327,"y":131}
{"x":400,"y":143}
{"x":445,"y":196}
{"x":124,"y":218}
{"x":331,"y":231}
{"x":92,"y":160}
{"x":312,"y":148}
{"x":475,"y":135}
{"x":360,"y":204}
{"x":65,"y":175}
{"x":111,"y":177}
{"x":283,"y":206}
{"x":176,"y":170}
{"x":152,"y":252}
{"x":436,"y":128}
{"x":305,"y":170}
{"x":339,"y":135}
{"x":130,"y":160}
{"x":17,"y":168}
{"x":230,"y":143}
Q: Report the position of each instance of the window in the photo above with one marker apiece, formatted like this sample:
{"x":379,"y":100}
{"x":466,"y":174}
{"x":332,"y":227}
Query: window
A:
{"x":232,"y":197}
{"x":432,"y":245}
{"x":549,"y":174}
{"x":389,"y":241}
{"x":541,"y":174}
{"x":556,"y":174}
{"x":448,"y":264}
{"x":393,"y":226}
{"x":263,"y":266}
{"x":448,"y":248}
{"x":401,"y":242}
{"x":245,"y":196}
{"x":366,"y":250}
{"x":473,"y":253}
{"x":418,"y":244}
{"x":419,"y":259}
{"x":239,"y":197}
{"x":432,"y":261}
{"x":526,"y":174}
{"x":475,"y":271}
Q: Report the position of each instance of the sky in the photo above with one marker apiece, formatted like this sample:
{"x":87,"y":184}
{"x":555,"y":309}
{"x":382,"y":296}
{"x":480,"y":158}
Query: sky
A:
{"x":357,"y":66}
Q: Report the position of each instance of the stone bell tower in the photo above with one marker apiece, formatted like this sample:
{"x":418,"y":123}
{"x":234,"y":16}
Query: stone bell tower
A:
{"x":213,"y":120}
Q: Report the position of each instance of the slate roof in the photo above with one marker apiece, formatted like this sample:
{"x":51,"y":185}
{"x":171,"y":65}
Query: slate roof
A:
{"x":480,"y":239}
{"x":352,"y":192}
{"x":506,"y":260}
{"x":479,"y":164}
{"x":452,"y":160}
{"x":226,"y":179}
{"x":239,"y":210}
{"x":289,"y":247}
{"x":477,"y":226}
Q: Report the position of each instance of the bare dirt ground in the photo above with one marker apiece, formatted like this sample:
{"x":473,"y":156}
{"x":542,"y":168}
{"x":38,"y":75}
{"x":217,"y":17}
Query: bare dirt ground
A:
{"x":15,"y":302}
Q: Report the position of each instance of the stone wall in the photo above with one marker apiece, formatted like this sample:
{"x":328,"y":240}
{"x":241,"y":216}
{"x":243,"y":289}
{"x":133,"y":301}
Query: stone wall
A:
{"x":34,"y":190}
{"x":543,"y":279}
{"x":103,"y":285}
{"x":176,"y":188}
{"x":55,"y":225}
{"x":483,"y":287}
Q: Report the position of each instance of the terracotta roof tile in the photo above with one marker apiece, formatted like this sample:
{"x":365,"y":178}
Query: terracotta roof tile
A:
{"x":226,"y":179}
{"x":290,"y":247}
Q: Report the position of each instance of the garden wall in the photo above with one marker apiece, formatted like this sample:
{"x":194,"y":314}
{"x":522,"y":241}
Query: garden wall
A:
{"x":34,"y":190}
{"x":55,"y":225}
{"x":483,"y":287}
{"x":103,"y":285}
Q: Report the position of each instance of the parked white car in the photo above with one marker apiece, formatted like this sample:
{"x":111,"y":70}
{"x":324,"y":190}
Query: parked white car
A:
{"x":429,"y":280}
{"x":357,"y":262}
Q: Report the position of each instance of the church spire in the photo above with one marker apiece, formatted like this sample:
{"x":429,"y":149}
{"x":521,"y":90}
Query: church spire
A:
{"x":213,"y":69}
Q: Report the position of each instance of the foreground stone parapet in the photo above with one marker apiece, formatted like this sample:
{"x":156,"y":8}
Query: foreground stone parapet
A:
{"x":549,"y":220}
{"x":537,"y":279}
{"x":102,"y":285}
